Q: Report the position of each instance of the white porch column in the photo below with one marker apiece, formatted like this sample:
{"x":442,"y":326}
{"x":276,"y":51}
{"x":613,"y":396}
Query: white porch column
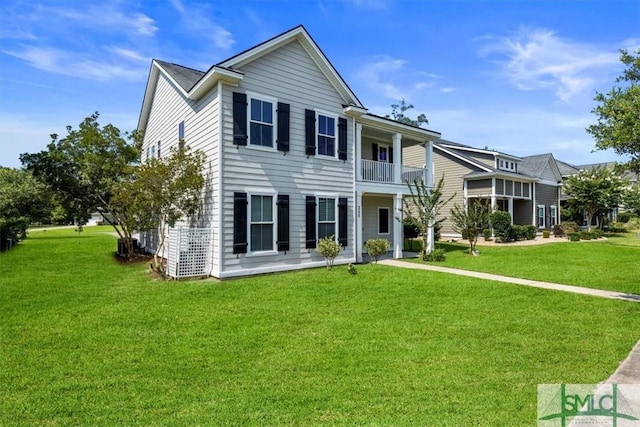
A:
{"x":397,"y":158}
{"x":359,"y":229}
{"x":398,"y":238}
{"x":358,"y":143}
{"x":493,"y":194}
{"x":429,"y":171}
{"x":511,"y":209}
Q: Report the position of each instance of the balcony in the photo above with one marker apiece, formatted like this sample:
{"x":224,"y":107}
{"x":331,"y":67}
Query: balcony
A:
{"x":385,"y":173}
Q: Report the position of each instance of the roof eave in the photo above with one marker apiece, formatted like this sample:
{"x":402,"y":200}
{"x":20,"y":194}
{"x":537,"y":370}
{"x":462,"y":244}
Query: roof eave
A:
{"x":209,"y":80}
{"x":393,"y":126}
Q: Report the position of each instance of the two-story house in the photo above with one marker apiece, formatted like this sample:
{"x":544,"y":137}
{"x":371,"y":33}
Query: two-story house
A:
{"x":526,"y":187}
{"x":292,"y":156}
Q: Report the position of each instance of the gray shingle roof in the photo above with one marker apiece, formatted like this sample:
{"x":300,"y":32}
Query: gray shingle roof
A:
{"x":535,"y":165}
{"x":185,"y":77}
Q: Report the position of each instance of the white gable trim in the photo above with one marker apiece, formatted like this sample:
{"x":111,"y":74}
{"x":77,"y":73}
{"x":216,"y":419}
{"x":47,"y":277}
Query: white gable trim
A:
{"x":302,"y":36}
{"x":479,"y":150}
{"x":458,"y":156}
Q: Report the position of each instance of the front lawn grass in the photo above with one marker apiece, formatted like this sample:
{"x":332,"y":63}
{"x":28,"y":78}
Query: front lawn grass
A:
{"x":613,"y":264}
{"x":85,"y":340}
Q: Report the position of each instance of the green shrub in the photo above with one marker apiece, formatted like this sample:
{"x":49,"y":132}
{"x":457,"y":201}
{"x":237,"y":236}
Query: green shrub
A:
{"x":633,"y":224}
{"x":531,"y":232}
{"x":411,"y":230}
{"x":487,"y":234}
{"x":570,"y":227}
{"x":519,"y":232}
{"x":625,"y":217}
{"x":546,"y":234}
{"x":329,"y":249}
{"x":558,"y":230}
{"x":377,"y":247}
{"x":585,"y":235}
{"x":574,"y":236}
{"x":501,"y":223}
{"x":617,"y":227}
{"x":437,"y":255}
{"x":596,"y":233}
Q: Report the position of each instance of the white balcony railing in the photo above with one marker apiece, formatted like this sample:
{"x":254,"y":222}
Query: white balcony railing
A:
{"x":383,"y":172}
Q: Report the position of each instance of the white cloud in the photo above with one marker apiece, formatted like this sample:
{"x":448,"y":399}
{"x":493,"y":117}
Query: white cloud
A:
{"x":392,"y":78}
{"x":198,"y":23}
{"x":129,"y":54}
{"x":75,"y":64}
{"x":108,"y":16}
{"x":372,"y":4}
{"x":178,"y":5}
{"x":536,"y":59}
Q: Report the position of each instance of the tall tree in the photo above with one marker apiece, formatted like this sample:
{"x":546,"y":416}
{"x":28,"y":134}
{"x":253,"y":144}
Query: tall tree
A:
{"x":398,"y":113}
{"x":23,"y":200}
{"x":159,"y":193}
{"x":83,"y":167}
{"x":469,"y":221}
{"x":618,"y":112}
{"x":423,"y":206}
{"x":595,"y":191}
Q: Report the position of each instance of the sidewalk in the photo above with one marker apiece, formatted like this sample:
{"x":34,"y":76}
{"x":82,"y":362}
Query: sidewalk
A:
{"x":515,"y":280}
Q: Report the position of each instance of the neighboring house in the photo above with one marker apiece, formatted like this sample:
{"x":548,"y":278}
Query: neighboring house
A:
{"x":526,"y":187}
{"x":292,"y":156}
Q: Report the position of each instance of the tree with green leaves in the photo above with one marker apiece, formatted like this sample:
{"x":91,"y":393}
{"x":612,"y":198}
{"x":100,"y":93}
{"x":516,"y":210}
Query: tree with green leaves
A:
{"x":159,"y":193}
{"x":398,"y":113}
{"x":23,"y":200}
{"x":83,"y":167}
{"x":631,"y":198}
{"x":469,"y":221}
{"x":618,"y":112}
{"x":595,"y":190}
{"x":423,"y":205}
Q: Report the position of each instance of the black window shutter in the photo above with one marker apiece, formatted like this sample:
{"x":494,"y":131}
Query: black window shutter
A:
{"x":390,"y":150}
{"x":283,"y":222}
{"x":239,"y":118}
{"x":342,"y":139}
{"x":239,"y":223}
{"x":310,"y":133}
{"x":283,"y":127}
{"x":311,"y":222}
{"x":342,"y":221}
{"x":374,"y":149}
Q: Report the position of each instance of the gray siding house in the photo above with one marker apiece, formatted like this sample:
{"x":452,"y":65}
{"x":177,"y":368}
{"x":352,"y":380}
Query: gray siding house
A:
{"x":526,"y":187}
{"x":292,"y":156}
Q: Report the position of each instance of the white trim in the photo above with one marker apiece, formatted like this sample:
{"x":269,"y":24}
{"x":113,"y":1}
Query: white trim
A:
{"x":458,"y":156}
{"x":262,"y":193}
{"x":220,"y":196}
{"x":544,"y":211}
{"x":553,"y":215}
{"x":386,"y":208}
{"x":282,"y":267}
{"x":479,"y":150}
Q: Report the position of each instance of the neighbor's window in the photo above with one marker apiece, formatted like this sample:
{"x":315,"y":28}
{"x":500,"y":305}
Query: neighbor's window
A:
{"x":326,"y":135}
{"x":553,"y":216}
{"x":261,"y":122}
{"x":326,"y":217}
{"x":540,"y":216}
{"x":261,"y":226}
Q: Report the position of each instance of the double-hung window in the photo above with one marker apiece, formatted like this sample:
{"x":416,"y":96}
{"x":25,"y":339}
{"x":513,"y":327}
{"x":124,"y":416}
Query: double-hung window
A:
{"x":326,"y":135}
{"x":540,"y":216}
{"x":261,"y":123}
{"x":326,"y":217}
{"x":261,"y":223}
{"x":553,"y":215}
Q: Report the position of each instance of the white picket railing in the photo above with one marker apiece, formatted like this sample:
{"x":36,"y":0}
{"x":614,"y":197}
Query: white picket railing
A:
{"x":383,"y":172}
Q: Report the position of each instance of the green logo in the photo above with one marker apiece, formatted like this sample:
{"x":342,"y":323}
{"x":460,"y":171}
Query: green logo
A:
{"x":588,"y":404}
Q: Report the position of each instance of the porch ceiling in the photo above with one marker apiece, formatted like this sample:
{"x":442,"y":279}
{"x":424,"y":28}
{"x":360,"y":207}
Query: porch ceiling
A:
{"x":386,"y":137}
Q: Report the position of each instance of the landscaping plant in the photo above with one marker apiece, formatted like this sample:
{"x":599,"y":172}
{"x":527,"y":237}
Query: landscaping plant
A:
{"x":329,"y":249}
{"x":377,"y":247}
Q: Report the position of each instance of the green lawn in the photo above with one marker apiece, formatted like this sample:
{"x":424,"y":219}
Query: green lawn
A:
{"x":87,"y":341}
{"x":613,"y":264}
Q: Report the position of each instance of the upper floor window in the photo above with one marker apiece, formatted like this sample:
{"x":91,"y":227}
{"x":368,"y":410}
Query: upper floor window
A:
{"x":261,"y":124}
{"x":326,"y":135}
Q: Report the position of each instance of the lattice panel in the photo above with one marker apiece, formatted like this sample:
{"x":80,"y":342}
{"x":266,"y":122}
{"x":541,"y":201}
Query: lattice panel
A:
{"x":188,"y":252}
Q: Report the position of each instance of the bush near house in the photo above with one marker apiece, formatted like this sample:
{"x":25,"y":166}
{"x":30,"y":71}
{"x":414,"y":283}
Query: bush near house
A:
{"x":585,"y":235}
{"x":501,"y":223}
{"x":570,"y":227}
{"x":329,"y":249}
{"x":437,"y":255}
{"x":377,"y":247}
{"x":573,"y":236}
{"x":558,"y":231}
{"x":625,"y":217}
{"x":546,"y":234}
{"x":487,"y":234}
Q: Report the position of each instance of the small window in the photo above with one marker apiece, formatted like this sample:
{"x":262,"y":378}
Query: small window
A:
{"x":261,"y":123}
{"x":326,"y":217}
{"x":383,"y":153}
{"x":181,"y":131}
{"x":540,"y":216}
{"x":153,"y":151}
{"x":383,"y":221}
{"x":158,"y":149}
{"x":326,"y":135}
{"x":553,"y":217}
{"x":501,"y":164}
{"x":261,"y":225}
{"x":148,"y":153}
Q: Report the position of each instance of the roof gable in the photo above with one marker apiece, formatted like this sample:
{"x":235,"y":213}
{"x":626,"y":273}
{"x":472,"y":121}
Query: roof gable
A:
{"x":300,"y":34}
{"x":536,"y":166}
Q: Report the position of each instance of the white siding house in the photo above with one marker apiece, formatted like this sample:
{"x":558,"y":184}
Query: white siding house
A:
{"x":292,"y":156}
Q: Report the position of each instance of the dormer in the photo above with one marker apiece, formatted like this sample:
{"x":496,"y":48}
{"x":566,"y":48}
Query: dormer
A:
{"x":507,"y":163}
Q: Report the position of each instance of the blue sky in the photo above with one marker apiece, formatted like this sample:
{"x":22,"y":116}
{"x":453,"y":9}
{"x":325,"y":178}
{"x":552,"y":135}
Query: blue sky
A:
{"x":516,"y":76}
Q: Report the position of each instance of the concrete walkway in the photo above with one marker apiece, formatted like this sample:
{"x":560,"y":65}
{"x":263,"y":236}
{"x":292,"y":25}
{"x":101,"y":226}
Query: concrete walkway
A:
{"x":515,"y":280}
{"x":629,"y":370}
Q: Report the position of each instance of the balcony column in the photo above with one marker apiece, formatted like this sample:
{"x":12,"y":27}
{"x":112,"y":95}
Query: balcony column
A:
{"x":359,"y":228}
{"x":397,"y":158}
{"x":398,"y":237}
{"x":428,"y":164}
{"x":358,"y":144}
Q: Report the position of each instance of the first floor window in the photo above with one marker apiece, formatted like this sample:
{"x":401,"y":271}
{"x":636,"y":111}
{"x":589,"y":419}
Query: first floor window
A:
{"x":383,"y":220}
{"x":261,"y":123}
{"x":326,"y":217}
{"x":261,"y":226}
{"x":540,"y":216}
{"x":553,"y":218}
{"x":326,"y":135}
